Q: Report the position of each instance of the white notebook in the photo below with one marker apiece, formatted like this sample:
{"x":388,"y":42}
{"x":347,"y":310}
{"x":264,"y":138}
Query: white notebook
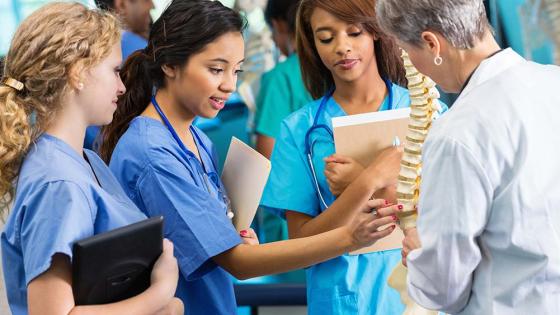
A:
{"x":244,"y":176}
{"x":362,"y":137}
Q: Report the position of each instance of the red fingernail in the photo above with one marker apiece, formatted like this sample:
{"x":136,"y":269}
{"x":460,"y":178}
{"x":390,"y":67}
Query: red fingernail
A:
{"x":393,"y":227}
{"x":386,"y":202}
{"x":395,"y":218}
{"x":400,"y":207}
{"x":243,"y":233}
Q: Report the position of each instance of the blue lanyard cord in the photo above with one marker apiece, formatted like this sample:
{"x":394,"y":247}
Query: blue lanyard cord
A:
{"x":205,"y":176}
{"x":212,"y":175}
{"x":179,"y":141}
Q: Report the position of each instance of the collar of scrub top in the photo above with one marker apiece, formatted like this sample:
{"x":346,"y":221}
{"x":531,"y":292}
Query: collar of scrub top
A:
{"x":212,"y":175}
{"x":317,"y":126}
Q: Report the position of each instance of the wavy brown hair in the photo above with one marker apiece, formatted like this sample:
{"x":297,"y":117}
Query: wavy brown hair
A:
{"x":55,"y":40}
{"x":318,"y":79}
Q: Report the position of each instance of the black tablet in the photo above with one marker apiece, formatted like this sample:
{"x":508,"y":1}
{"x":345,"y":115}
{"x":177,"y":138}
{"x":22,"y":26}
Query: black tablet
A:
{"x":116,"y":265}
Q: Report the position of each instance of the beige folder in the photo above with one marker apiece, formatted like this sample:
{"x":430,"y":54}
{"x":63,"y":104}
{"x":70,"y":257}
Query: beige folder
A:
{"x":362,"y":137}
{"x":244,"y":176}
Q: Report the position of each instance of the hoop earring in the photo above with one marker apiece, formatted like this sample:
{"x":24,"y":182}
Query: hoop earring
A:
{"x":438,"y":61}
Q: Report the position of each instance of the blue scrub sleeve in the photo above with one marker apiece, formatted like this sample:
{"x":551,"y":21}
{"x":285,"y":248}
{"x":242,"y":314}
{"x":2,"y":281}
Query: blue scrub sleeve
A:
{"x":290,"y":184}
{"x":56,"y":215}
{"x":195,"y":222}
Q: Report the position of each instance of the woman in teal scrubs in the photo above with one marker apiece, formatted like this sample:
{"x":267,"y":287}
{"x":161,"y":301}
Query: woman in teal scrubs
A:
{"x":62,"y":76}
{"x":350,"y":67}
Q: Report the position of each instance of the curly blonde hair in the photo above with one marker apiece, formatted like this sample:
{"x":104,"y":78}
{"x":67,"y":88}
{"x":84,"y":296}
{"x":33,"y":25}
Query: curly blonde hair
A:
{"x":54,"y":41}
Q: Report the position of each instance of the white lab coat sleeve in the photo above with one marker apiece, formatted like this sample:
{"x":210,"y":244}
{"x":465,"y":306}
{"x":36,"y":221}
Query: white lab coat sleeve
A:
{"x":453,"y":209}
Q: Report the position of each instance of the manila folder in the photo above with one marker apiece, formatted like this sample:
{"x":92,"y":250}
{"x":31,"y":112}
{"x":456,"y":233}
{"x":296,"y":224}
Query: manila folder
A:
{"x":362,"y":137}
{"x":244,"y":176}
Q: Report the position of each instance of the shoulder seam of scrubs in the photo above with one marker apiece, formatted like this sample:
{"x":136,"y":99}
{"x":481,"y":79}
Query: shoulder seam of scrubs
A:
{"x":150,"y":172}
{"x":181,"y":217}
{"x":64,"y":181}
{"x":91,"y":208}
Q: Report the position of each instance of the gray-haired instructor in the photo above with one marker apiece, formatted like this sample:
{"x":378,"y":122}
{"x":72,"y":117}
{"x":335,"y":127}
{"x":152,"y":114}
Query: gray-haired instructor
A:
{"x":489,"y":211}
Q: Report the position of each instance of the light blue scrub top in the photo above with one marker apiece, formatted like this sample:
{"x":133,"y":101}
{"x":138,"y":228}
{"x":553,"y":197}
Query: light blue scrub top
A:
{"x":346,"y":284}
{"x":163,"y":180}
{"x":57,"y":202}
{"x":131,"y":42}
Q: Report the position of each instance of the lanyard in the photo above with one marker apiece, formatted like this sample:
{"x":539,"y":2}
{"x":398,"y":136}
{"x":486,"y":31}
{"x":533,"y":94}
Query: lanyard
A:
{"x":205,"y":175}
{"x":179,"y":141}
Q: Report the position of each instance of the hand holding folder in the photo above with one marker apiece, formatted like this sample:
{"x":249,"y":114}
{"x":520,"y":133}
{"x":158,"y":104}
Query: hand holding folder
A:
{"x":244,"y":176}
{"x":362,"y":137}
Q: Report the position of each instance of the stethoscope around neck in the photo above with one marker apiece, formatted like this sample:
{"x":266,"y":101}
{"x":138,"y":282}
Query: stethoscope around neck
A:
{"x":316,"y":126}
{"x":206,"y":176}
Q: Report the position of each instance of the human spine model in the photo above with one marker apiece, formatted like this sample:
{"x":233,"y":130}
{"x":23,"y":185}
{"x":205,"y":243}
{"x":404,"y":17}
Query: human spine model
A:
{"x":424,"y":108}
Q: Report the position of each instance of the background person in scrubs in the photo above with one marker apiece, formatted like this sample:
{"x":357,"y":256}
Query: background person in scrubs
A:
{"x":490,"y":245}
{"x":50,"y":93}
{"x":168,"y":167}
{"x":136,"y":19}
{"x":340,"y":48}
{"x":281,"y":92}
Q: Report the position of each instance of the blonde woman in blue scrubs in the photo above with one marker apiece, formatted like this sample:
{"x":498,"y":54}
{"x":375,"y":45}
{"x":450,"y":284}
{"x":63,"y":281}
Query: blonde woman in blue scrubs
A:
{"x":350,"y":67}
{"x":61,"y":75}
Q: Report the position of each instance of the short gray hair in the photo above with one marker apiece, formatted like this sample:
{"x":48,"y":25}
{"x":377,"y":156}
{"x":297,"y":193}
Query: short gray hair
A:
{"x":461,"y":22}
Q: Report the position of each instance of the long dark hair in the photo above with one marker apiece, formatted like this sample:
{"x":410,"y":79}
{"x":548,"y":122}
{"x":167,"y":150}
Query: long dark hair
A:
{"x":317,"y":78}
{"x":184,"y":29}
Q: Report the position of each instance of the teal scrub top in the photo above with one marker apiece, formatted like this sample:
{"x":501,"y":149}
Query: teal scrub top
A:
{"x":282,"y":92}
{"x":346,"y":284}
{"x":58,"y":202}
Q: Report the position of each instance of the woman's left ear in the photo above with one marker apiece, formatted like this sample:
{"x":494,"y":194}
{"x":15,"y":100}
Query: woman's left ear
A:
{"x":432,"y":42}
{"x":75,"y":79}
{"x":169,"y":71}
